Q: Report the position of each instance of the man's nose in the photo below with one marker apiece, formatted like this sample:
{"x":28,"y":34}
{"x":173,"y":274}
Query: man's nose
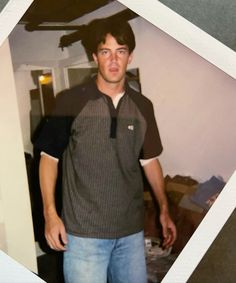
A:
{"x":113,"y":56}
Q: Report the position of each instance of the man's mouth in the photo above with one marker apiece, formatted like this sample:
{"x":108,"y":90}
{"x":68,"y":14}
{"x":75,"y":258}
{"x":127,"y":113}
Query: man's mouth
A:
{"x":113,"y":68}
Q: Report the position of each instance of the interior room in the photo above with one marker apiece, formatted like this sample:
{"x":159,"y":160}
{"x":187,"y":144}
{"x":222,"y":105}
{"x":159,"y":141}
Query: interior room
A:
{"x":194,"y":102}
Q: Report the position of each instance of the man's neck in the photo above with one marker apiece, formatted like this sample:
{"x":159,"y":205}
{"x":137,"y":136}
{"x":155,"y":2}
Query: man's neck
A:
{"x":110,"y":89}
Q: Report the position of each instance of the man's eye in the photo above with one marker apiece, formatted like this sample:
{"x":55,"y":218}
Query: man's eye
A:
{"x":104,"y":52}
{"x":122,"y":51}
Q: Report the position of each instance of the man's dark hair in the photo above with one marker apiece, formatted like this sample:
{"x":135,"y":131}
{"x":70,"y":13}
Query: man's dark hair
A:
{"x":98,"y":29}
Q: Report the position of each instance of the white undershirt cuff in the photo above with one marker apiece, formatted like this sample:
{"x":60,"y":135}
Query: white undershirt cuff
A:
{"x":50,"y":156}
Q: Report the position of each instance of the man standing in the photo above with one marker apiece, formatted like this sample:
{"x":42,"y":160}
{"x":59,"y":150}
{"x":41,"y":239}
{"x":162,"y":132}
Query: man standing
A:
{"x":102,"y":130}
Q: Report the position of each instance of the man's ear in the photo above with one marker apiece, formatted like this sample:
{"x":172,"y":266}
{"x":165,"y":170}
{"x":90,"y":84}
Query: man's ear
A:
{"x":130,"y":58}
{"x":95,"y":58}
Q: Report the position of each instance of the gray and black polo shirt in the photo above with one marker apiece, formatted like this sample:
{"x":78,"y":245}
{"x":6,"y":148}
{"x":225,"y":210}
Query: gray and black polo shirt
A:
{"x":101,"y":146}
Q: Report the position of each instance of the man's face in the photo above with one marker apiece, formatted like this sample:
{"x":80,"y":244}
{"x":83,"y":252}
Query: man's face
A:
{"x":112,"y":59}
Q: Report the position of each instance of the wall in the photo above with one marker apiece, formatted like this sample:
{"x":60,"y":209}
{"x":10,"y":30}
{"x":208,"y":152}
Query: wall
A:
{"x":16,"y":230}
{"x":24,"y":83}
{"x":194,"y":103}
{"x":193,"y":100}
{"x":38,"y":48}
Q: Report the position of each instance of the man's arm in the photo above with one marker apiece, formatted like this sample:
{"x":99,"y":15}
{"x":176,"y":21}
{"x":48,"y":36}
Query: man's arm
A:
{"x":155,"y":178}
{"x":54,"y":228}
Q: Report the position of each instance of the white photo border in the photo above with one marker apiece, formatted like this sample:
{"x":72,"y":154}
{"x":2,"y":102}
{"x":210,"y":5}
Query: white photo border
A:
{"x":210,"y":49}
{"x":11,"y":15}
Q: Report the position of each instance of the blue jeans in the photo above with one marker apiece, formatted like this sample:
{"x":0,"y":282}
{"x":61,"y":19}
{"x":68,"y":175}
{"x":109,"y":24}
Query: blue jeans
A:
{"x":89,"y":260}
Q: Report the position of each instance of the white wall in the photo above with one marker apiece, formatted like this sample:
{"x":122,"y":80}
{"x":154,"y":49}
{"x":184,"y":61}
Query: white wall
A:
{"x":39,"y":48}
{"x":193,"y":100}
{"x":16,"y":229}
{"x":24,"y":83}
{"x":194,"y":103}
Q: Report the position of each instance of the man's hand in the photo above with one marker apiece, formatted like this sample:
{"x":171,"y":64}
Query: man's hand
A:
{"x":168,"y":230}
{"x":55,"y":233}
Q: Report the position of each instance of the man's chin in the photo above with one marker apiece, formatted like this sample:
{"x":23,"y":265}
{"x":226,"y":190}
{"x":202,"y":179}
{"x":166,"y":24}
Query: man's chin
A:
{"x":115,"y":78}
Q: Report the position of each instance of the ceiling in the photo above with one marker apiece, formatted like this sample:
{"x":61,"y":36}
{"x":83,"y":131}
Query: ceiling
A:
{"x":58,"y":11}
{"x":57,"y":14}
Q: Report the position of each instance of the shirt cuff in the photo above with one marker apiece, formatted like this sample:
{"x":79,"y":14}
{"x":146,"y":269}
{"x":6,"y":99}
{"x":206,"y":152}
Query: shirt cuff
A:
{"x":144,"y":162}
{"x":50,"y":156}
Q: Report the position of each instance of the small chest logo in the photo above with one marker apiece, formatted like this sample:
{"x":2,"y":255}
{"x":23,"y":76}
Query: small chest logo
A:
{"x":131,"y":127}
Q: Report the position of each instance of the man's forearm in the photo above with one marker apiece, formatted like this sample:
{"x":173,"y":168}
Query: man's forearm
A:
{"x":55,"y":232}
{"x":48,"y":170}
{"x":155,"y":178}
